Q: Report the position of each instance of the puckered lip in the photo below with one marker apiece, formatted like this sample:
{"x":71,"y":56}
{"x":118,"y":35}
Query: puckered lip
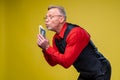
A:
{"x":46,"y":24}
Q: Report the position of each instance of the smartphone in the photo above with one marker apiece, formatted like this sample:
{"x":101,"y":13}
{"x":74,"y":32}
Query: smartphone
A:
{"x":42,"y":31}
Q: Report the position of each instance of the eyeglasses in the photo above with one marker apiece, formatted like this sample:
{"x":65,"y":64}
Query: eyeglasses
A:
{"x":51,"y":17}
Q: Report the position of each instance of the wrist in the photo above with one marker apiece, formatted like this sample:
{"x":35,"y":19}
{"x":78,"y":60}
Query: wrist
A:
{"x":47,"y":47}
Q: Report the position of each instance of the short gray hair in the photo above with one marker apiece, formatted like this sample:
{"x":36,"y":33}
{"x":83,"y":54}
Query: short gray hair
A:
{"x":60,"y":8}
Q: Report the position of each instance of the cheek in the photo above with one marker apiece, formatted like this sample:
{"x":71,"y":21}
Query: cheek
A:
{"x":54,"y":23}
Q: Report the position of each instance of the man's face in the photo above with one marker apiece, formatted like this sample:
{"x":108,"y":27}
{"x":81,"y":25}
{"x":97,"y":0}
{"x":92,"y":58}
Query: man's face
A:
{"x":52,"y":19}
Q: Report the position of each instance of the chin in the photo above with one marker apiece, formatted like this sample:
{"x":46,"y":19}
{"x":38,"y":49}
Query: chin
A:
{"x":49,"y":28}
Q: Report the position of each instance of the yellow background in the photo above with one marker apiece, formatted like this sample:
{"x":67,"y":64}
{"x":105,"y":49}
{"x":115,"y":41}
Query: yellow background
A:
{"x":22,"y":59}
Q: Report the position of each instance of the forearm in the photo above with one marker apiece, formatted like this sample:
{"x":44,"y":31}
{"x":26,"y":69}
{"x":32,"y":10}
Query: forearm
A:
{"x":59,"y":58}
{"x":48,"y":59}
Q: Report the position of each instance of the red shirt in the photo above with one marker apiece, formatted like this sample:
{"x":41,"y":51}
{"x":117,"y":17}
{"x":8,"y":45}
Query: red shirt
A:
{"x":76,"y":41}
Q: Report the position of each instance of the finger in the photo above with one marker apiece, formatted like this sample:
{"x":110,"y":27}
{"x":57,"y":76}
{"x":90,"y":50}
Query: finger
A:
{"x":40,"y":40}
{"x":39,"y":44}
{"x":41,"y":36}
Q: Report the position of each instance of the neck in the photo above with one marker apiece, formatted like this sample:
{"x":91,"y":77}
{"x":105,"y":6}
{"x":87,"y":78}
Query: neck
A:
{"x":59,"y":28}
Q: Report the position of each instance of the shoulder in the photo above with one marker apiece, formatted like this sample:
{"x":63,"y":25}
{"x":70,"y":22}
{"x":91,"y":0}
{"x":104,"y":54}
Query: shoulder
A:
{"x":78,"y":32}
{"x":75,"y":27}
{"x":78,"y":29}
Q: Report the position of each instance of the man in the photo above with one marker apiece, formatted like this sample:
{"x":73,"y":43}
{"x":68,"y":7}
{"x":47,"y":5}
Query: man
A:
{"x":72,"y":46}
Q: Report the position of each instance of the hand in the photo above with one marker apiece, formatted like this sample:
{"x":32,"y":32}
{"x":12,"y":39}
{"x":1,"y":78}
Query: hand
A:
{"x":42,"y":42}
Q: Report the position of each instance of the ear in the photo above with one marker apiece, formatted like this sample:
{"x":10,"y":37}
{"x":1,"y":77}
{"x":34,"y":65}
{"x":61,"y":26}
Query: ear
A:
{"x":62,"y":19}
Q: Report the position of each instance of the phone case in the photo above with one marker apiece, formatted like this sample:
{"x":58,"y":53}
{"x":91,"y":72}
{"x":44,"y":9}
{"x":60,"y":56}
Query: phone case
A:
{"x":42,"y":31}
